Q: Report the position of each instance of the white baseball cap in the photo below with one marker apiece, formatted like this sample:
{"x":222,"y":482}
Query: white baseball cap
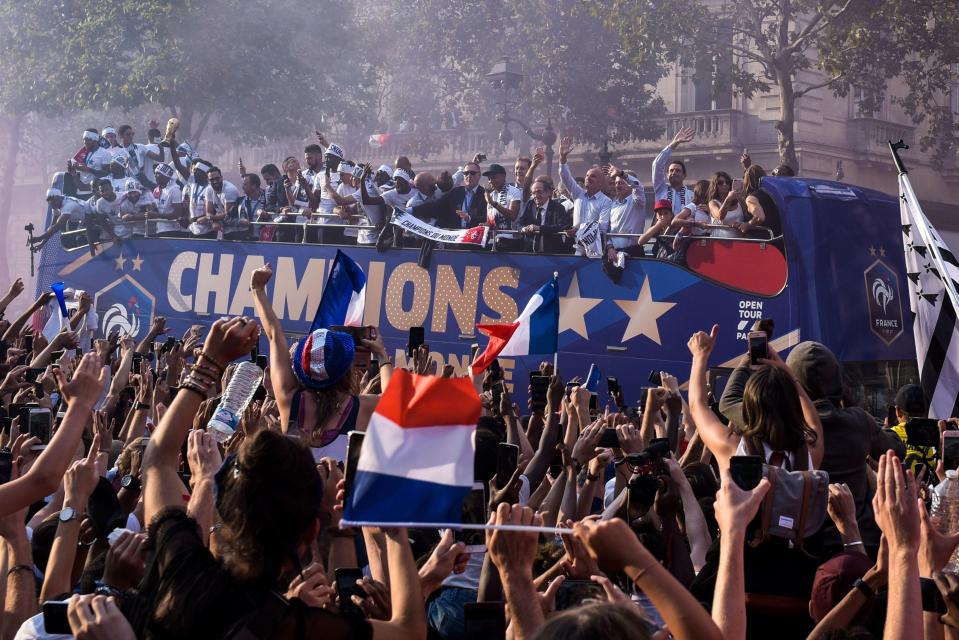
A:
{"x":164,"y":170}
{"x":132,"y":185}
{"x":401,"y":173}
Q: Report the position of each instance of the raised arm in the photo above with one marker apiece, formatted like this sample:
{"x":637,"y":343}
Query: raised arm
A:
{"x":565,"y":175}
{"x":227,"y":340}
{"x":45,"y":475}
{"x":538,"y":156}
{"x":539,"y":465}
{"x":661,"y":162}
{"x":617,"y":548}
{"x":408,"y":619}
{"x":720,"y":440}
{"x":15,"y":289}
{"x":17,"y":325}
{"x":281,"y":367}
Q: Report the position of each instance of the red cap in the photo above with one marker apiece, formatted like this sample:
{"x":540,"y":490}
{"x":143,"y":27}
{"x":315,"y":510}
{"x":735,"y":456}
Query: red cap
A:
{"x":834,"y":579}
{"x":663,"y":203}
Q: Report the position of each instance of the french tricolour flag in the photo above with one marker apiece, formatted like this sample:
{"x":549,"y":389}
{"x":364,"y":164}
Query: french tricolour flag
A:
{"x":344,"y":297}
{"x":534,"y":331}
{"x":416,"y":465}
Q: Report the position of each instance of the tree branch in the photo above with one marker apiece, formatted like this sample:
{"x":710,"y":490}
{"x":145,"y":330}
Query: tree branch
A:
{"x":801,"y":92}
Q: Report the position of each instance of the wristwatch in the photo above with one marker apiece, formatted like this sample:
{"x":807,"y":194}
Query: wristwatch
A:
{"x":69,"y":513}
{"x":130,"y":482}
{"x":864,"y":588}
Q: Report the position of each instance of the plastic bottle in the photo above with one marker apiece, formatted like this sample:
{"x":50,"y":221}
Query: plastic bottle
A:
{"x":945,"y":512}
{"x":246,"y":378}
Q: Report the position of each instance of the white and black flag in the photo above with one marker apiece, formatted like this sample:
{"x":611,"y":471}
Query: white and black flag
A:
{"x":933,"y":273}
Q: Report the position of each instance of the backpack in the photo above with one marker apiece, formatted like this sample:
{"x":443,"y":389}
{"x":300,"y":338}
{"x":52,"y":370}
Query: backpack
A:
{"x":795,"y":506}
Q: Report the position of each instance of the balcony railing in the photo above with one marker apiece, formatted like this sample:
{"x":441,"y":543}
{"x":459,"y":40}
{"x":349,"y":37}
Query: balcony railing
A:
{"x":871,"y":135}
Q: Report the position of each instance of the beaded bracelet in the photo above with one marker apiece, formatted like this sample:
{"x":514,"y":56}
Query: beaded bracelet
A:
{"x":214,"y":361}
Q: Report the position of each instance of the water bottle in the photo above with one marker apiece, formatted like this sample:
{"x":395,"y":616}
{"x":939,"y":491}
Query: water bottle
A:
{"x":246,"y":378}
{"x":945,"y":512}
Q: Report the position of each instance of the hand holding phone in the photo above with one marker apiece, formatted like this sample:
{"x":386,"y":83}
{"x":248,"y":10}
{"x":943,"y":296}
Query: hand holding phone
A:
{"x":746,"y":471}
{"x":758,"y":347}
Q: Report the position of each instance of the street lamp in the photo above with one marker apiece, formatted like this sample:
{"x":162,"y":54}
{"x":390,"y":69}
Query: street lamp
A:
{"x":505,"y":78}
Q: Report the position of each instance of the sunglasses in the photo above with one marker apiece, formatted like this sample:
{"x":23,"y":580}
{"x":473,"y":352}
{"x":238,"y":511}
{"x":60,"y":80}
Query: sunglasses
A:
{"x":470,"y":173}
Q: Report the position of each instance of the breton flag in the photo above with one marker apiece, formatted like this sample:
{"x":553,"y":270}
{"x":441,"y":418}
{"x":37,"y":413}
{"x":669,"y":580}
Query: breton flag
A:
{"x":534,"y":331}
{"x":416,"y":465}
{"x":933,"y":273}
{"x":344,"y":296}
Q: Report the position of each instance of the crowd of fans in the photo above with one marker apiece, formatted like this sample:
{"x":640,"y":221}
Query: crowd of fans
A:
{"x":116,"y":188}
{"x":775,"y":510}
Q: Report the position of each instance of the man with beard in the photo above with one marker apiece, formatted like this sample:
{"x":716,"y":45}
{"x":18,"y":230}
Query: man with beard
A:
{"x":170,"y":205}
{"x":669,"y":174}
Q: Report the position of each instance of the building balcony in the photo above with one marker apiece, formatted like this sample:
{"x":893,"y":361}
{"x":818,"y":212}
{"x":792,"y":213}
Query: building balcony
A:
{"x":871,"y":136}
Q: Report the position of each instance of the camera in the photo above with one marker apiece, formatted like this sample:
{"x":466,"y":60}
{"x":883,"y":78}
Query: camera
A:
{"x":657,"y":450}
{"x":29,"y":227}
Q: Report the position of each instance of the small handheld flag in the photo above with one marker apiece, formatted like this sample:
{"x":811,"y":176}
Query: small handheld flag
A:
{"x":535,"y":331}
{"x":344,"y":296}
{"x":592,"y":379}
{"x":57,"y":288}
{"x":416,"y":465}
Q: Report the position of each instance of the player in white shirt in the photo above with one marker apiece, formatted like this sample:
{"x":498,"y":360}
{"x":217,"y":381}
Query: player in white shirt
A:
{"x":170,"y":205}
{"x":200,"y":225}
{"x":65,"y":209}
{"x":91,"y":162}
{"x":135,"y":206}
{"x":218,"y":195}
{"x":669,"y":174}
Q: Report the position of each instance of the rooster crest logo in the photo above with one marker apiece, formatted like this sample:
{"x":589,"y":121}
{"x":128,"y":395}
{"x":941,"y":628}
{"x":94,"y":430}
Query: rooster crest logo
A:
{"x":125,"y":307}
{"x":122,"y":318}
{"x":881,"y":293}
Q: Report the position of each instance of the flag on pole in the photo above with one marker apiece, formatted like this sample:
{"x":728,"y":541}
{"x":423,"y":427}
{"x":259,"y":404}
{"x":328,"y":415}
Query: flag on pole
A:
{"x":344,"y":297}
{"x":933,"y":273}
{"x":535,"y":331}
{"x":416,"y":465}
{"x":592,"y":379}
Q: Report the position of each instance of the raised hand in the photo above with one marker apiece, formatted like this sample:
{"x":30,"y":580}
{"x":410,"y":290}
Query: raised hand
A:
{"x":260,"y":277}
{"x":584,"y":449}
{"x":842,"y":510}
{"x":735,"y":507}
{"x":701,"y":343}
{"x":682,"y":136}
{"x":98,"y":618}
{"x":126,"y":561}
{"x":16,"y":288}
{"x":231,"y":339}
{"x":566,"y":147}
{"x":895,"y":505}
{"x":87,"y":384}
{"x":538,"y":156}
{"x":203,"y":455}
{"x":513,"y":550}
{"x":311,"y":587}
{"x":447,"y":557}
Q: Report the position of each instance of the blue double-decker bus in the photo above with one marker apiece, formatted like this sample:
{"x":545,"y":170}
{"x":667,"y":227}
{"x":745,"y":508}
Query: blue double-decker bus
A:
{"x":831,"y":270}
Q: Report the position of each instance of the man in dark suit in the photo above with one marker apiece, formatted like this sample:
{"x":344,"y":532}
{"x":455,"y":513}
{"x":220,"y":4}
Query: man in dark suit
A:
{"x":461,"y":207}
{"x":543,"y":219}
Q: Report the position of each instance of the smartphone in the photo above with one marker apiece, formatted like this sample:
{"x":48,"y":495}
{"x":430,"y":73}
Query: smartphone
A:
{"x":262,"y":361}
{"x":38,"y":421}
{"x":891,"y":416}
{"x":572,"y":593}
{"x":4,"y":347}
{"x":593,"y":410}
{"x":474,"y":348}
{"x":33,"y":373}
{"x":608,"y":439}
{"x":354,"y":445}
{"x":655,"y":378}
{"x":137,"y":359}
{"x":78,"y":352}
{"x":538,"y":386}
{"x":612,"y":385}
{"x":643,"y":396}
{"x":950,"y":449}
{"x":496,"y":371}
{"x":485,"y":620}
{"x":6,"y":466}
{"x":746,"y":471}
{"x":922,"y":432}
{"x":358,"y":334}
{"x":737,"y":185}
{"x":260,"y":394}
{"x":507,"y":457}
{"x":497,"y":391}
{"x":55,"y":617}
{"x":56,"y":355}
{"x":569,"y":389}
{"x":168,"y":345}
{"x":28,"y":343}
{"x":474,"y":512}
{"x":346,"y":587}
{"x":758,"y":347}
{"x":104,"y":509}
{"x":416,"y":338}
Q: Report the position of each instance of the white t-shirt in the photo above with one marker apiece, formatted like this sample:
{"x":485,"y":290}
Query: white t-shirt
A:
{"x":135,"y":156}
{"x":111,"y":210}
{"x":99,"y":160}
{"x":74,"y":208}
{"x":193,"y":196}
{"x":344,"y":190}
{"x":170,"y":196}
{"x":128,"y":207}
{"x":220,"y":201}
{"x":148,"y":164}
{"x":319,"y":182}
{"x":505,"y":197}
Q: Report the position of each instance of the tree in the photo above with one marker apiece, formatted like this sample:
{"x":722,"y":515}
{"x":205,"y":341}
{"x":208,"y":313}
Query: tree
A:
{"x":586,"y":88}
{"x":759,"y":44}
